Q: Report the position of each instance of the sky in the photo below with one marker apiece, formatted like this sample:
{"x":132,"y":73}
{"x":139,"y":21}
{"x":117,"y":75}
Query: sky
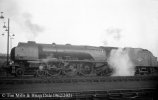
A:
{"x":116,"y":23}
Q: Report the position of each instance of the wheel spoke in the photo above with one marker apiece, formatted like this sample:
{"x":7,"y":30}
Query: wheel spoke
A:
{"x":54,"y":70}
{"x":19,"y":72}
{"x":70,"y":70}
{"x":86,"y":69}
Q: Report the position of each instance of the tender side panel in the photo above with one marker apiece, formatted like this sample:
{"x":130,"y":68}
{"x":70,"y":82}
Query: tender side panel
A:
{"x":141,"y":57}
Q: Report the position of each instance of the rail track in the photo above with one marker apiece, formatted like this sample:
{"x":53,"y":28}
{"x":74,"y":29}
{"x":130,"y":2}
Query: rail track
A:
{"x":110,"y":88}
{"x":31,"y":80}
{"x":137,"y":94}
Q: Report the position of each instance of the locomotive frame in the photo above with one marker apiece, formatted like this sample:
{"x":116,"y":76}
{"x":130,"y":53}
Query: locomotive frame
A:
{"x":71,"y":60}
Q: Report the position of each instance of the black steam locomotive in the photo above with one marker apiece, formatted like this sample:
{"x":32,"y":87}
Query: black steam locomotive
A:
{"x":71,"y":60}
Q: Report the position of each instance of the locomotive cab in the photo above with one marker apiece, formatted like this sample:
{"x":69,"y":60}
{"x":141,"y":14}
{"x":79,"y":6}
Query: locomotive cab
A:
{"x":20,"y":55}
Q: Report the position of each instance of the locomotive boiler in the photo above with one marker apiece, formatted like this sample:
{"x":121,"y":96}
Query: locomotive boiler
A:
{"x":72,"y":60}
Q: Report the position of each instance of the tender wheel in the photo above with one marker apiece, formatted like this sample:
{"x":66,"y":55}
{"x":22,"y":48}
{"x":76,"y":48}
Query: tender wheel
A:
{"x":70,"y":69}
{"x":19,"y":72}
{"x":86,"y":69}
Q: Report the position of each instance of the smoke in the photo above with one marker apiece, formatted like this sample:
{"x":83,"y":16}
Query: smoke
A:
{"x":20,"y":19}
{"x":121,"y":63}
{"x":31,"y":27}
{"x":49,"y":58}
{"x":112,"y":34}
{"x":46,"y":60}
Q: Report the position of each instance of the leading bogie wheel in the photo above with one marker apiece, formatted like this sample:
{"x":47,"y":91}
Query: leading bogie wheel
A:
{"x":19,"y":72}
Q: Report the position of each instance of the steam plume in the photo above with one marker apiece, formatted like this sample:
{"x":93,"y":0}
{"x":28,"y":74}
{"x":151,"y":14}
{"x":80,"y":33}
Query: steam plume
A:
{"x":121,"y":63}
{"x":31,"y":27}
{"x":23,"y":20}
{"x":114,"y":32}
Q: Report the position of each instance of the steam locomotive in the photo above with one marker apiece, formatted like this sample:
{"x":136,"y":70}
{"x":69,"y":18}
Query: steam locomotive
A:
{"x":72,"y":60}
